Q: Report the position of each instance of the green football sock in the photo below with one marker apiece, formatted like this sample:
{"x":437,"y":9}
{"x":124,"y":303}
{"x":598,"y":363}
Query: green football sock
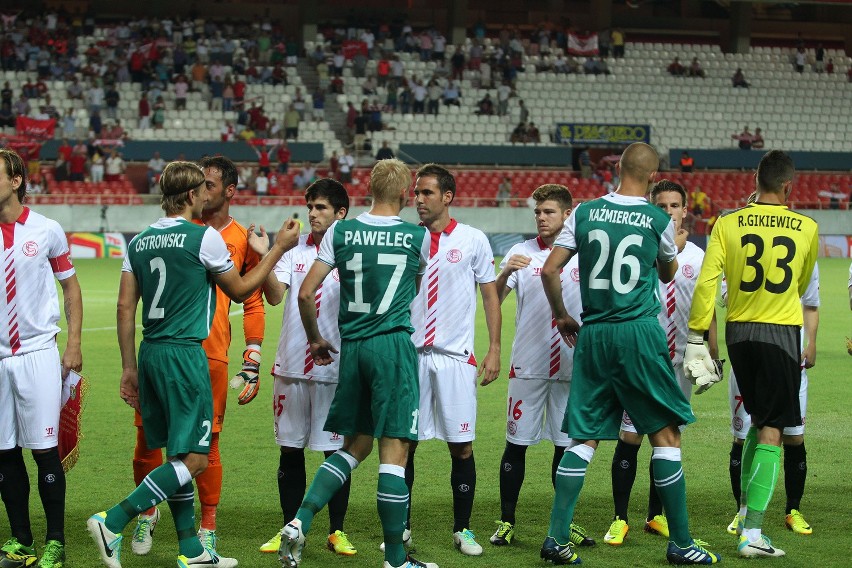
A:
{"x":155,"y":488}
{"x":392,"y":502}
{"x":671,"y":487}
{"x":182,"y":506}
{"x":764,"y":476}
{"x":569,"y":481}
{"x":749,"y":446}
{"x":330,"y":477}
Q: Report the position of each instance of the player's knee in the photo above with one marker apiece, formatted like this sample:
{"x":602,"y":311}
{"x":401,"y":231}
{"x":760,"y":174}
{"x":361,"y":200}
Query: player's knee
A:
{"x":514,"y":452}
{"x":739,"y":441}
{"x":195,"y":463}
{"x":462,"y":450}
{"x":793,"y":440}
{"x":630,"y":438}
{"x":667,"y":437}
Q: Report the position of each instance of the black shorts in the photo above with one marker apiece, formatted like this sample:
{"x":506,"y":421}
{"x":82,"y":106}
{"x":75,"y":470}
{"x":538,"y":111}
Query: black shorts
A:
{"x":766,"y":362}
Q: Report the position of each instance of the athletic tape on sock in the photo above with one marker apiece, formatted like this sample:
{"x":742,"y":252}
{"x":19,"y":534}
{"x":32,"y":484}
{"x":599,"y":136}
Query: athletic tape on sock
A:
{"x":350,"y":459}
{"x":668,"y":454}
{"x":583,"y":452}
{"x":181,"y":471}
{"x":391,"y":469}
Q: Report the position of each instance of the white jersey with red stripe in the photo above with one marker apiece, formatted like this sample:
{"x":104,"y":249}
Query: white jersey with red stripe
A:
{"x":443,"y":312}
{"x":538,"y":351}
{"x":676,"y":299}
{"x":35,"y":251}
{"x":293,"y":358}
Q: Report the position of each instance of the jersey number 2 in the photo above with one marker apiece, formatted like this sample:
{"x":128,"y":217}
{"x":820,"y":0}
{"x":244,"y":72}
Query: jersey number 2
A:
{"x":159,"y":266}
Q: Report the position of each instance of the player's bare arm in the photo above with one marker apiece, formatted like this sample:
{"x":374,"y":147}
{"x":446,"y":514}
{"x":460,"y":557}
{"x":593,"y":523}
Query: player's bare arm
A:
{"x":516,"y":262}
{"x":810,"y":316}
{"x":556,"y":261}
{"x":72,"y":357}
{"x":321,"y":349}
{"x":490,"y":368}
{"x":239,"y":288}
{"x":713,"y":337}
{"x":128,"y":300}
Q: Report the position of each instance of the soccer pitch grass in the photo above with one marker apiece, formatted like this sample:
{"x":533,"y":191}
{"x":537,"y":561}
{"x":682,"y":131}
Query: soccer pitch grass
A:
{"x":249,"y":513}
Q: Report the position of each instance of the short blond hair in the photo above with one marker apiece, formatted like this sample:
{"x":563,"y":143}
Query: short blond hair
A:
{"x":388,"y":180}
{"x":176,"y":182}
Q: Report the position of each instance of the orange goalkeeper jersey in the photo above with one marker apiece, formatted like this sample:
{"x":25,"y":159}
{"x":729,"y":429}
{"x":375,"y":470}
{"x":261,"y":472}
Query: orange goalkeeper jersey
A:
{"x":254,"y":318}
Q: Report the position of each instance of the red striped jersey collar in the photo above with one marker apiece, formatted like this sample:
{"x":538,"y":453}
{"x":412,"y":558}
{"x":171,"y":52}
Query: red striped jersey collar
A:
{"x":451,"y":226}
{"x":541,"y":244}
{"x":22,"y":218}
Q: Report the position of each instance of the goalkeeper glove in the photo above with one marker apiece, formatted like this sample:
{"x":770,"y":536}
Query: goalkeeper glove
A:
{"x":697,"y":363}
{"x":720,"y":374}
{"x":248,"y":378}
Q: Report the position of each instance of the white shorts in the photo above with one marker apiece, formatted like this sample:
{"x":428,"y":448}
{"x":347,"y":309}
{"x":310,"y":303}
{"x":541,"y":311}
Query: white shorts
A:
{"x":536,"y":408}
{"x":299,"y":410}
{"x":447,"y":398}
{"x":685,"y":387}
{"x":30,"y":399}
{"x":741,"y":421}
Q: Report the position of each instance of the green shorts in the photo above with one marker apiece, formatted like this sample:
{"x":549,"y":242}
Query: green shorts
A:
{"x":378,"y":392}
{"x":175,"y":399}
{"x":623,"y":367}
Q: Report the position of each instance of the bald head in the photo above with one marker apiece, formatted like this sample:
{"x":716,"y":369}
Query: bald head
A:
{"x":639,"y":162}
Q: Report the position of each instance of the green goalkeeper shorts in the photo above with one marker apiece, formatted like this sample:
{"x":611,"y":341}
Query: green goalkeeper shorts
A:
{"x":175,"y":399}
{"x":378,"y":392}
{"x":623,"y":367}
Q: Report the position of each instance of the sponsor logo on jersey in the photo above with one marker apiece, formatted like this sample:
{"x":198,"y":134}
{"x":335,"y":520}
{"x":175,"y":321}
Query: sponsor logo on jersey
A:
{"x":454,"y":255}
{"x":336,"y":275}
{"x":30,"y":248}
{"x":232,"y":250}
{"x":537,"y":271}
{"x":511,"y":428}
{"x":48,"y":432}
{"x":626,"y":419}
{"x":464,"y":427}
{"x":300,"y":268}
{"x":575,"y":274}
{"x":688,"y":271}
{"x":335,"y":437}
{"x":738,"y":423}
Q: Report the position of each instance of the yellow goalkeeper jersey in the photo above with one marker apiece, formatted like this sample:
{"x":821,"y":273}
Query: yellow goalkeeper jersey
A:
{"x":767,"y":253}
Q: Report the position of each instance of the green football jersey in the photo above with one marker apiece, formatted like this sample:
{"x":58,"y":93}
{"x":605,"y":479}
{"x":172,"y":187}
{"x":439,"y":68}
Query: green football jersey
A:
{"x":378,"y":260}
{"x":618,"y":240}
{"x":173,"y":261}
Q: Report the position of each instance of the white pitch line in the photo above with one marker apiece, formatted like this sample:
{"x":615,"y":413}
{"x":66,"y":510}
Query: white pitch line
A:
{"x":238,"y":312}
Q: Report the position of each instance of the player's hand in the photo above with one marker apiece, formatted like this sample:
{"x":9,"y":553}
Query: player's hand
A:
{"x":698,"y":365}
{"x":288,"y":236}
{"x":72,"y":360}
{"x":849,"y":346}
{"x":321,"y":351}
{"x":489,"y":370}
{"x":516,"y":262}
{"x":568,"y":329}
{"x":258,"y":243}
{"x":720,"y":374}
{"x":128,"y":388}
{"x":680,"y":239}
{"x":248,"y":379}
{"x":809,"y":356}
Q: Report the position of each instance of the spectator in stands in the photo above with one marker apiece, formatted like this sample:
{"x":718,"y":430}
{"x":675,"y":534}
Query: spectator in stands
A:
{"x":283,"y":157}
{"x":95,"y":97}
{"x":369,"y":86}
{"x":676,"y":69}
{"x":305,"y":177}
{"x":700,"y":202}
{"x":533,"y":134}
{"x":96,"y":167}
{"x":245,"y":178}
{"x":22,"y":106}
{"x":457,"y":62}
{"x":800,"y":59}
{"x":590,"y":66}
{"x":181,"y":90}
{"x":155,"y":167}
{"x":261,"y":182}
{"x":524,"y":112}
{"x":519,"y":134}
{"x":745,"y":138}
{"x":262,"y":151}
{"x":405,"y":98}
{"x":198,"y":72}
{"x":112,"y":97}
{"x":228,"y":94}
{"x":504,"y":192}
{"x":819,"y":62}
{"x":585,"y":160}
{"x":385,"y":152}
{"x":95,"y":124}
{"x":345,"y":164}
{"x":291,"y":123}
{"x":299,"y":103}
{"x":452,"y":93}
{"x":60,"y":169}
{"x":434,"y":92}
{"x":687,"y":162}
{"x":829,"y":67}
{"x":334,"y":165}
{"x":48,"y":109}
{"x":115,"y":166}
{"x":504,"y":91}
{"x":617,"y":41}
{"x":738,"y":79}
{"x":337,"y":62}
{"x":113,"y":131}
{"x":144,"y":111}
{"x":158,"y":119}
{"x":228,"y":133}
{"x":74,"y":89}
{"x":77,"y":165}
{"x":757,"y":140}
{"x":695,"y":69}
{"x":7,"y":117}
{"x":6,"y":94}
{"x":419,"y":93}
{"x":485,"y":107}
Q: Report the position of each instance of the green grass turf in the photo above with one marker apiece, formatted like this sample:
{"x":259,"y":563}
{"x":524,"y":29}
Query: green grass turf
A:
{"x":249,"y":512}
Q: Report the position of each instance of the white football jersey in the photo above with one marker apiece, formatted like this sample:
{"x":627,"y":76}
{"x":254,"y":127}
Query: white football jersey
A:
{"x":293,"y":358}
{"x":676,"y":300}
{"x":35,"y":251}
{"x":538,"y":351}
{"x":443,"y":312}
